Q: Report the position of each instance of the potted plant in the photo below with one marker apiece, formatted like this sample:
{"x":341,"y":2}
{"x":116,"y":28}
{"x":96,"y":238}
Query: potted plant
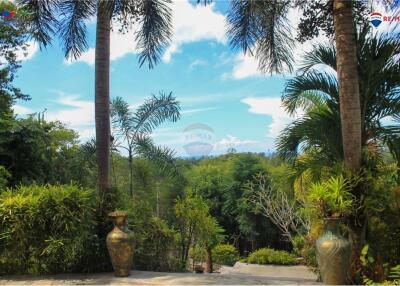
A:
{"x":332,"y":201}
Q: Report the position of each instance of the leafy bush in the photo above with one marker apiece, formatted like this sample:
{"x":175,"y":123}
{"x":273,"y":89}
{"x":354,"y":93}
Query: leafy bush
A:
{"x":331,"y":198}
{"x":298,"y":244}
{"x":304,"y":246}
{"x":198,"y":254}
{"x":271,"y":256}
{"x":225,"y":254}
{"x":46,"y":229}
{"x":4,"y":176}
{"x":152,"y":251}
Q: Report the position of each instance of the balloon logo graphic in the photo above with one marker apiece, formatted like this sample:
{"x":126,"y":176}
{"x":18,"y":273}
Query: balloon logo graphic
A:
{"x":198,"y":139}
{"x":376,"y":19}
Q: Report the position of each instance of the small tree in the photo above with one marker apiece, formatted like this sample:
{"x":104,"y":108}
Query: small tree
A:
{"x":277,"y":207}
{"x":210,"y":234}
{"x":196,"y":227}
{"x":135,"y":128}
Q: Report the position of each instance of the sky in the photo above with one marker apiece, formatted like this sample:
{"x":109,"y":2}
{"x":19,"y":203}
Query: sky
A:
{"x":225,"y":102}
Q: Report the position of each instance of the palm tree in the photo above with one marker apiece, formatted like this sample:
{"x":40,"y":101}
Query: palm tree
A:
{"x":135,"y":128}
{"x":261,"y":28}
{"x":317,"y":133}
{"x":317,"y":94}
{"x":346,"y":61}
{"x":66,"y":19}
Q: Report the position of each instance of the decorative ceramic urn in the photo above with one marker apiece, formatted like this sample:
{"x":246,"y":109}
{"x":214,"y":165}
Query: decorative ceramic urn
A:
{"x":333,"y":254}
{"x":120,"y":243}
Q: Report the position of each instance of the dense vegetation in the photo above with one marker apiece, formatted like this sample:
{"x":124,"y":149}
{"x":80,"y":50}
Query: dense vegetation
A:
{"x":54,"y":219}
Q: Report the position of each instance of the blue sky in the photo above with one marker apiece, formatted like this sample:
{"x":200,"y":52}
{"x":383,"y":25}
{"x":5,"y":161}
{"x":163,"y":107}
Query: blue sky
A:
{"x":216,"y":86}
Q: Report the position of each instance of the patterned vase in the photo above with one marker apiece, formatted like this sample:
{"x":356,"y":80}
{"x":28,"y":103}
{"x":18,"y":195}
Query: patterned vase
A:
{"x":120,"y":243}
{"x":333,"y":254}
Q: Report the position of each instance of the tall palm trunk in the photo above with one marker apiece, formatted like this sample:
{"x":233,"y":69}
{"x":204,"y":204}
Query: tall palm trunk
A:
{"x":350,"y":111}
{"x":102,"y":97}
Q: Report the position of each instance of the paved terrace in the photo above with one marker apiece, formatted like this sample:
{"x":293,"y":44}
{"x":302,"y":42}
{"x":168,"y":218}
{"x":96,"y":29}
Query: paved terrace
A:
{"x":240,"y":274}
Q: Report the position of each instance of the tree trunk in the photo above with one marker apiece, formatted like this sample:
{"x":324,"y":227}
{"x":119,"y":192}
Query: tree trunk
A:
{"x":130,"y":158}
{"x":350,"y":111}
{"x":102,"y":97}
{"x":209,"y":262}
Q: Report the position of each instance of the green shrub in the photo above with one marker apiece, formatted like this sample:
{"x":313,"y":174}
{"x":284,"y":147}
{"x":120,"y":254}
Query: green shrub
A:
{"x":4,"y":176}
{"x":198,"y":254}
{"x":331,"y":198}
{"x":309,"y":254}
{"x":271,"y":256}
{"x":46,"y":229}
{"x":225,"y":254}
{"x":154,"y":245}
{"x":298,"y":244}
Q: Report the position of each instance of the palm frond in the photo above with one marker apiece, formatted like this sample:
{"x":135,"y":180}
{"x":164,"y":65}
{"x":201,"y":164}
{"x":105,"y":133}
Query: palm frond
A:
{"x":241,"y":28}
{"x":308,"y":89}
{"x":303,"y":101}
{"x":154,"y":33}
{"x":42,"y":21}
{"x":122,"y":117}
{"x":162,"y":157}
{"x":275,"y":45}
{"x":89,"y":147}
{"x":379,"y":69}
{"x":155,"y":111}
{"x":264,"y":27}
{"x":319,"y":128}
{"x":321,"y":54}
{"x":72,"y":28}
{"x":310,"y":164}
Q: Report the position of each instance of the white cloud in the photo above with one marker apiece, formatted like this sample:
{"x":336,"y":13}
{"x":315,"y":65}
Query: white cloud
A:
{"x":21,"y":110}
{"x":197,"y":110}
{"x":189,"y":25}
{"x":272,"y":107}
{"x":77,"y":114}
{"x":244,"y":66}
{"x":87,"y":57}
{"x":194,"y":23}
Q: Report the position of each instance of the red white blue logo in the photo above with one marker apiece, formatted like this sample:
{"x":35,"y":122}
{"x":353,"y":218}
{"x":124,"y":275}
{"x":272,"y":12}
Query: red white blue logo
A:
{"x":7,"y":14}
{"x":376,"y":19}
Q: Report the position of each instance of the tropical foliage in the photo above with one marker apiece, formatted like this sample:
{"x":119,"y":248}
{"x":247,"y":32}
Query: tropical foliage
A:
{"x":53,"y":212}
{"x":271,"y":256}
{"x":225,"y":254}
{"x":135,"y":129}
{"x":316,"y":94}
{"x":60,"y":218}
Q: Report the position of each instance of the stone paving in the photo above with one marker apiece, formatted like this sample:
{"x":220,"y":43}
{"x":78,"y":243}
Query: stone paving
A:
{"x":240,"y":274}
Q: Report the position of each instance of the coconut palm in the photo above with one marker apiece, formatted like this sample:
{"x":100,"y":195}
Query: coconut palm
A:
{"x":135,"y":129}
{"x":66,"y":19}
{"x":317,"y":94}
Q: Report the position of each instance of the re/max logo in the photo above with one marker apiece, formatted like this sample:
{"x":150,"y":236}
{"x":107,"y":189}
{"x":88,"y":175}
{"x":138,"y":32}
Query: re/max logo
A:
{"x":377,"y":18}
